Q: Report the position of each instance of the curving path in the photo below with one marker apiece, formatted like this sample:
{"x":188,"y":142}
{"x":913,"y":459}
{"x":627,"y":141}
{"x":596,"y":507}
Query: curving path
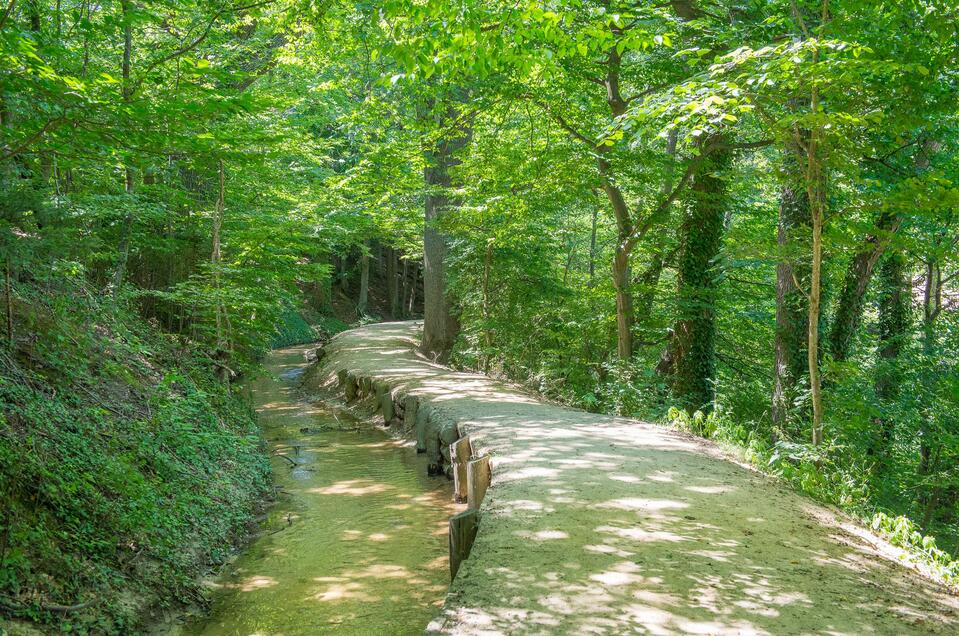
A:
{"x":604,"y":525}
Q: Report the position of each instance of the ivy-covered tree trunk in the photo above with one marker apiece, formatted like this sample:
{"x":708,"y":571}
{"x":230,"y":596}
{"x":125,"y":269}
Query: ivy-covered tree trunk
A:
{"x":440,"y":325}
{"x":694,"y":334}
{"x":791,"y":303}
{"x":894,"y":319}
{"x":851,"y":301}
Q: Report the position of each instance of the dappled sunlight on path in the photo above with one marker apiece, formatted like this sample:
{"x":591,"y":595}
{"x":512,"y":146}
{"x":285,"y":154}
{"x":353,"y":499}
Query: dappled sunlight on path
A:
{"x":605,"y":525}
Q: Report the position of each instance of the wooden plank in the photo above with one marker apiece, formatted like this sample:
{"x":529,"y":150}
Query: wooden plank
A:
{"x":477,"y":481}
{"x":463,"y":529}
{"x":461,"y":451}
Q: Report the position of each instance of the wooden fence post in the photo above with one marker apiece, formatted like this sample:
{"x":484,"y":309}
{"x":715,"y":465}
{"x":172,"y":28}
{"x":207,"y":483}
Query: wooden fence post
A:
{"x":462,"y":534}
{"x":461,"y":451}
{"x":477,"y":481}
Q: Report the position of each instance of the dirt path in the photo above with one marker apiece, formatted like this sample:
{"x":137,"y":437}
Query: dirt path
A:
{"x":604,"y":525}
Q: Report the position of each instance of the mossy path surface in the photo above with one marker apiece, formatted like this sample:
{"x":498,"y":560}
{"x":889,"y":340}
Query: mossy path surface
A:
{"x":605,"y":525}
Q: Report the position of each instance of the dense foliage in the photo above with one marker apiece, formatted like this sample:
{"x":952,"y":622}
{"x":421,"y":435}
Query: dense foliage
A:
{"x":738,"y":217}
{"x":126,"y":468}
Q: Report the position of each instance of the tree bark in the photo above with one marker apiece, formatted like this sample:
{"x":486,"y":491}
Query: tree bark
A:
{"x":592,"y":245}
{"x":363,"y":299}
{"x":129,"y":184}
{"x":791,"y":303}
{"x":894,"y":319}
{"x":223,"y":346}
{"x":8,"y":292}
{"x":392,"y":282}
{"x":440,"y":324}
{"x":928,"y":447}
{"x":694,"y":334}
{"x":850,"y":304}
{"x":487,"y":331}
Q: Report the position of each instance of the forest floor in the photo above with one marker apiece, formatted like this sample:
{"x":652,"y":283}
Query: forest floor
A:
{"x":604,"y":525}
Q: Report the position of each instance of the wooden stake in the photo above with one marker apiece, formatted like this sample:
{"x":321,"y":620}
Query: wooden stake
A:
{"x":463,"y":529}
{"x":477,"y":481}
{"x":460,"y":453}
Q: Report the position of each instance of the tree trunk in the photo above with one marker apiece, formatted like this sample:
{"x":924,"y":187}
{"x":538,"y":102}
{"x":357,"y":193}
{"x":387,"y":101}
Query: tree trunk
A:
{"x":850,"y":304}
{"x":8,"y":293}
{"x":323,"y":287}
{"x":363,"y":299}
{"x":487,"y":332}
{"x":694,"y":335}
{"x":440,"y":324}
{"x":405,"y":288}
{"x":124,"y":246}
{"x":791,"y":303}
{"x":592,"y":245}
{"x":413,"y":283}
{"x":894,"y":318}
{"x":392,"y":283}
{"x":816,"y":194}
{"x":928,"y":447}
{"x":223,"y":347}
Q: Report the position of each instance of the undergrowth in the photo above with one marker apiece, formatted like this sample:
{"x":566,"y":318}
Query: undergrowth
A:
{"x":126,"y":469}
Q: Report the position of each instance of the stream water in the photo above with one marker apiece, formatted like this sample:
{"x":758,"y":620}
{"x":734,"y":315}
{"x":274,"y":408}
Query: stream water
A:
{"x":356,"y":543}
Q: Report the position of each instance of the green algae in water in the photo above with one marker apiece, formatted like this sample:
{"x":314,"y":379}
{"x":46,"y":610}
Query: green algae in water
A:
{"x":357,"y":541}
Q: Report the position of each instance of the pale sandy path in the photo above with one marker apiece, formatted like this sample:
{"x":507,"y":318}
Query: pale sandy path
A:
{"x":605,"y":525}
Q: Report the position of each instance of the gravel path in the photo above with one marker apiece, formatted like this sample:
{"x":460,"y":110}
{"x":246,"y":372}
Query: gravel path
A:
{"x":605,"y":525}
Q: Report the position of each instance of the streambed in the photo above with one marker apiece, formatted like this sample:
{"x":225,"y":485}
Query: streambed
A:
{"x":356,"y":543}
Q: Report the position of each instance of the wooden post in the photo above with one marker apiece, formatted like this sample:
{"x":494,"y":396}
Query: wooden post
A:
{"x":477,"y":481}
{"x":462,"y":534}
{"x":460,"y":453}
{"x":384,"y":401}
{"x":350,"y":387}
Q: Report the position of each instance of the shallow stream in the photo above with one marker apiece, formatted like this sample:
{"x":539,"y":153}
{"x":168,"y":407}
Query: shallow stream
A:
{"x":356,"y":543}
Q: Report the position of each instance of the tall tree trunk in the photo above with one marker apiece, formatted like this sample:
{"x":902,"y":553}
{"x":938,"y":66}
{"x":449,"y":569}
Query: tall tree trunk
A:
{"x":392,"y":283}
{"x":127,"y":90}
{"x":440,"y":324}
{"x":8,"y":293}
{"x":223,"y":347}
{"x":405,"y":288}
{"x":928,"y":446}
{"x":624,"y":223}
{"x":694,"y":334}
{"x":487,"y":331}
{"x":323,"y":286}
{"x":363,"y":299}
{"x":894,"y":318}
{"x":592,"y":245}
{"x":413,"y":285}
{"x":791,"y":302}
{"x":851,"y":301}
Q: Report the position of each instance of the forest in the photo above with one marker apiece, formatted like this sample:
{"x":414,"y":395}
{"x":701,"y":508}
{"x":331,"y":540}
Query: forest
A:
{"x":734,"y":218}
